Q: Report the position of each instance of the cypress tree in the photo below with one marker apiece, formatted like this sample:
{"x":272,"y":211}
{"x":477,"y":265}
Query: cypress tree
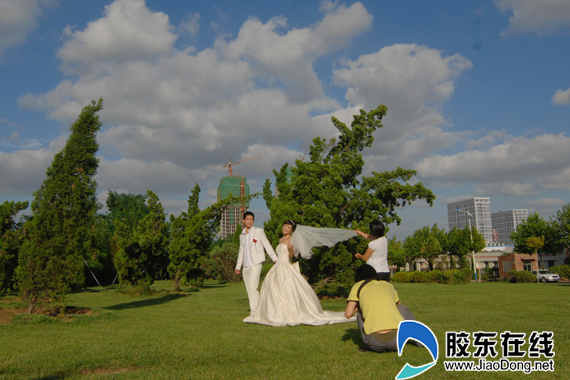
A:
{"x":142,"y":250}
{"x":60,"y":235}
{"x":10,"y":239}
{"x":192,"y":235}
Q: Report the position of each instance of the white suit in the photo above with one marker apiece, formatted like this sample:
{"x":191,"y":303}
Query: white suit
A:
{"x":258,"y":245}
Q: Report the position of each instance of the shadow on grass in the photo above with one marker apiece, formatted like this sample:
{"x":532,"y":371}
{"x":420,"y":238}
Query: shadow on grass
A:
{"x":354,"y":335}
{"x":214,"y":286}
{"x":146,"y":302}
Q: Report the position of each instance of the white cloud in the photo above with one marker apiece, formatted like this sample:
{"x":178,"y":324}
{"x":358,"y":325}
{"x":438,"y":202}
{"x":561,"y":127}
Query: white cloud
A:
{"x":507,"y":188}
{"x":546,"y":203}
{"x":413,"y":81}
{"x":288,"y":57}
{"x":23,"y":171}
{"x":558,"y":181}
{"x":545,"y":156}
{"x":194,"y":109}
{"x":17,"y":19}
{"x":486,"y":141}
{"x":405,"y":74}
{"x":561,"y":98}
{"x":128,"y":31}
{"x":192,"y":24}
{"x":138,"y":176}
{"x":531,"y":16}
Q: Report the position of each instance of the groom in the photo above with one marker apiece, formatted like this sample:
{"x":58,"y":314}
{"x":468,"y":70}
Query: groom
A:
{"x":252,"y":242}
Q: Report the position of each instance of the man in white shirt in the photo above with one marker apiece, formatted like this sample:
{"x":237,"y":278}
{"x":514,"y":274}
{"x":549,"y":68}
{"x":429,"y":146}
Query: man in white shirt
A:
{"x":252,"y":246}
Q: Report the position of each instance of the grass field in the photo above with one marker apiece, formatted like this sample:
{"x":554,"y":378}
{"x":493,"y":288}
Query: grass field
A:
{"x":200,"y":334}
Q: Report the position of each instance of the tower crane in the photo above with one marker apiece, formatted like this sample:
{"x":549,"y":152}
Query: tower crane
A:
{"x":230,"y":164}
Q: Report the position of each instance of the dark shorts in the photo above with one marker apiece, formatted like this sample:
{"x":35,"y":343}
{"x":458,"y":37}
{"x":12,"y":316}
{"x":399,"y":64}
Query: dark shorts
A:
{"x":387,"y":342}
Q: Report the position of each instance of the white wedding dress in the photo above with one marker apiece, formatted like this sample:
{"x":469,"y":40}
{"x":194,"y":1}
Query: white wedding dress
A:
{"x":287,"y":299}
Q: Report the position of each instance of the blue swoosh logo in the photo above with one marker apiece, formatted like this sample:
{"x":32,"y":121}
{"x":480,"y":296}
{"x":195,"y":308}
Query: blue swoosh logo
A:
{"x":423,"y":334}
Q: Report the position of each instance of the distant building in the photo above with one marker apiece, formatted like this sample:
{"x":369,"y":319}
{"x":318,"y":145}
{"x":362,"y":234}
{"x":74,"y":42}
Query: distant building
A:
{"x":480,"y":211}
{"x":232,"y":215}
{"x":506,"y":221}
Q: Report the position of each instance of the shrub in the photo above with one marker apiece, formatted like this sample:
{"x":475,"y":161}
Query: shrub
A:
{"x":457,"y":276}
{"x":462,"y":276}
{"x":562,"y":270}
{"x":492,"y":272}
{"x":448,"y":276}
{"x":401,"y":277}
{"x":468,"y":274}
{"x":521,"y":276}
{"x":330,"y":289}
{"x":435,"y":276}
{"x":418,"y":277}
{"x":221,"y":263}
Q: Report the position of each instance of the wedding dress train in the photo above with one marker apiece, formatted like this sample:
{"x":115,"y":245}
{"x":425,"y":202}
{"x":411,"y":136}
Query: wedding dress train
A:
{"x":287,"y":299}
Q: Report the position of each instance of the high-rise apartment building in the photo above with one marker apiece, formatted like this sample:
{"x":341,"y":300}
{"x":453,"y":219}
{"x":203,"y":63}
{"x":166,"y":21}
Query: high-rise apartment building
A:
{"x":232,"y":214}
{"x":506,"y":221}
{"x":478,"y":209}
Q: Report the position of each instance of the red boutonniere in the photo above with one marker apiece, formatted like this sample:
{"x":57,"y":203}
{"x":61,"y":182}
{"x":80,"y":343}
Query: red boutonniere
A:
{"x":255,"y":241}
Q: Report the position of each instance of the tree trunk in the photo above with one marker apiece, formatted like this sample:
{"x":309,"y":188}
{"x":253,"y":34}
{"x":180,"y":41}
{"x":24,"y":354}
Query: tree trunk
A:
{"x":177,"y":281}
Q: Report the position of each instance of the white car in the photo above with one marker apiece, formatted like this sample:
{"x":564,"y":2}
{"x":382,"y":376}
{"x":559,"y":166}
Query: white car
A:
{"x":546,"y":276}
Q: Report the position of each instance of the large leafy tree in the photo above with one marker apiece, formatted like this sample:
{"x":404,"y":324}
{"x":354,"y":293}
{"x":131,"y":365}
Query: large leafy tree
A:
{"x":535,"y":226}
{"x":61,"y":233}
{"x":329,"y":190}
{"x":561,"y":227}
{"x":457,"y":246}
{"x":427,"y":243}
{"x":142,"y":249}
{"x":192,"y":235}
{"x":397,"y":256}
{"x":10,"y":241}
{"x":462,"y":243}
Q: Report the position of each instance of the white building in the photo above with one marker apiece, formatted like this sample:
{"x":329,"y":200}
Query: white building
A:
{"x":506,"y":221}
{"x":476,"y":209}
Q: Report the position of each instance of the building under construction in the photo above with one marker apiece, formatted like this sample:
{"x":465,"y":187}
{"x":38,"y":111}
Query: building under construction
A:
{"x":232,"y":214}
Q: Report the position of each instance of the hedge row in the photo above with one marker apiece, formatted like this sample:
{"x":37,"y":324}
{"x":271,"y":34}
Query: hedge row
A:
{"x":521,"y":276}
{"x":452,"y":276}
{"x":562,"y":270}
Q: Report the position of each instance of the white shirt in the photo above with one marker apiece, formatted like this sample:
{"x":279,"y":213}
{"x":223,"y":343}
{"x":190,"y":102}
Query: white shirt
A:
{"x":248,"y":240}
{"x":379,"y":258}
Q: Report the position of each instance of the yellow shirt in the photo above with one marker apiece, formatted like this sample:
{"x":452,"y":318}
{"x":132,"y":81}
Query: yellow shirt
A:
{"x":378,"y":305}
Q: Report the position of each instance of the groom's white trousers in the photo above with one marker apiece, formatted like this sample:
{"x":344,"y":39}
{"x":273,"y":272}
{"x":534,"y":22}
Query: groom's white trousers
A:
{"x":251,"y":278}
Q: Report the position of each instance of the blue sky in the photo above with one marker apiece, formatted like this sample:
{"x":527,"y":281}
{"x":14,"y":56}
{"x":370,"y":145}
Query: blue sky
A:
{"x":478,"y":93}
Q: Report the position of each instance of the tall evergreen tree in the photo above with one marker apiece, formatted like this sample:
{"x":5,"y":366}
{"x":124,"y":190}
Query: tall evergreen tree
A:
{"x":142,"y":250}
{"x":61,"y":232}
{"x":192,"y":235}
{"x":130,"y":208}
{"x":328,"y":191}
{"x":10,"y":239}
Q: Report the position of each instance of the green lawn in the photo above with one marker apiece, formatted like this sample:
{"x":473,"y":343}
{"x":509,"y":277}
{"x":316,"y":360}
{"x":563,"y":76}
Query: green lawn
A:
{"x":200,"y":334}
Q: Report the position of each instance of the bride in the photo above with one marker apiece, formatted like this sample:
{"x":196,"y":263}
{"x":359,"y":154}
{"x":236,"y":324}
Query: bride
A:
{"x":286,"y":298}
